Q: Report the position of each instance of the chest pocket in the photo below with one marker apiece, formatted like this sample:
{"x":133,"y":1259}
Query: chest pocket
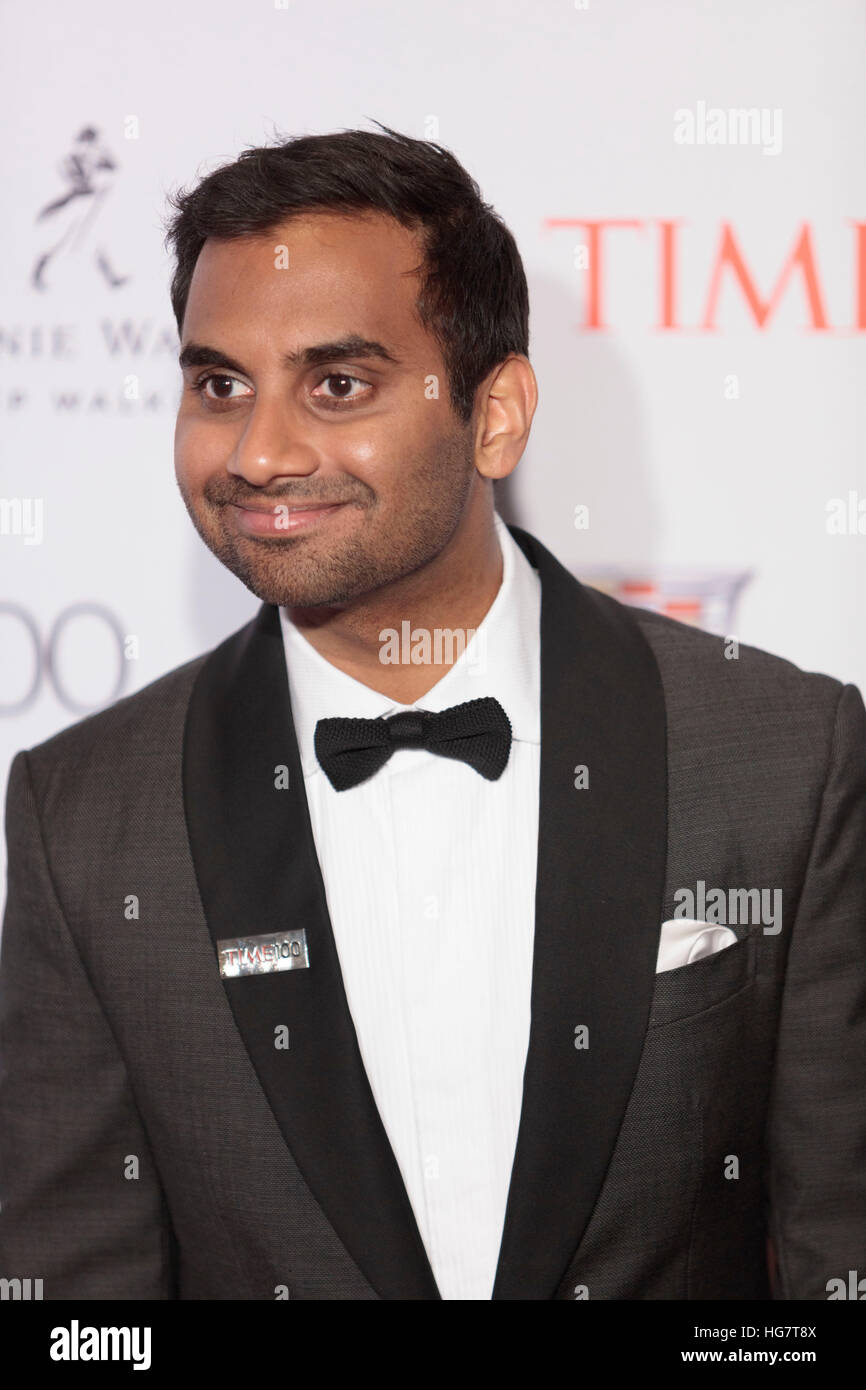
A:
{"x":691,"y":989}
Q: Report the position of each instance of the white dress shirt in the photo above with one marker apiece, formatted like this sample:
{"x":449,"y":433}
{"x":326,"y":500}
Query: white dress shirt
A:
{"x":429,"y":873}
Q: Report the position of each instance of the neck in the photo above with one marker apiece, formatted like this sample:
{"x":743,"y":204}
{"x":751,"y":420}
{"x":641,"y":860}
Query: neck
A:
{"x":454,"y":591}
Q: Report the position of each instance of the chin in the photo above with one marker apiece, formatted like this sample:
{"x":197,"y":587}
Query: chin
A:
{"x":301,"y":578}
{"x":285,"y":594}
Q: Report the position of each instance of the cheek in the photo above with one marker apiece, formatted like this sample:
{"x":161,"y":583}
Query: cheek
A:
{"x":369,"y":451}
{"x":365,"y":452}
{"x":388,"y":447}
{"x":198,"y":449}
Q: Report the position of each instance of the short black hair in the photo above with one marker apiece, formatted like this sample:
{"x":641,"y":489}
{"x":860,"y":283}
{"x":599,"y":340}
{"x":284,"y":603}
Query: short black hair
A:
{"x":473,"y":297}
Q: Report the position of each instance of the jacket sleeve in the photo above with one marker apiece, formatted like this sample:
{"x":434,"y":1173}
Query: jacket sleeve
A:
{"x":72,"y":1211}
{"x":817,"y":1119}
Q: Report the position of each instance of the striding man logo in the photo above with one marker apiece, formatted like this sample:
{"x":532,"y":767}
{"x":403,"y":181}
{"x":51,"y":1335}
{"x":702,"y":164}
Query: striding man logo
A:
{"x":67,"y":223}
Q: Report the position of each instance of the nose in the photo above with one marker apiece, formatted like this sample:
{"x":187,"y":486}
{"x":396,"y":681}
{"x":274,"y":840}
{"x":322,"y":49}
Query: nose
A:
{"x":273,"y":444}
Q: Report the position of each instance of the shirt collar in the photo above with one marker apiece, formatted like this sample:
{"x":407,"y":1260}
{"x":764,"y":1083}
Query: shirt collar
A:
{"x":501,"y":659}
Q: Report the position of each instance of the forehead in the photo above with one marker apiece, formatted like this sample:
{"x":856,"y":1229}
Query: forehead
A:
{"x":310,"y":275}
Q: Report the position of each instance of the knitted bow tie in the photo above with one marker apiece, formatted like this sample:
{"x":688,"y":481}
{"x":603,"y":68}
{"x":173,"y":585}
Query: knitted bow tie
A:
{"x":477,"y":732}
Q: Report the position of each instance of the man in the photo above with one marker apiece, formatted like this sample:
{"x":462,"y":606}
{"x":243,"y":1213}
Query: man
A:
{"x":306,"y":995}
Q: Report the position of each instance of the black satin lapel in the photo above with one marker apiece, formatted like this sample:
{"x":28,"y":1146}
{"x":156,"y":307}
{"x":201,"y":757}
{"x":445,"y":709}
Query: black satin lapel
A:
{"x":599,"y":903}
{"x":257,"y":871}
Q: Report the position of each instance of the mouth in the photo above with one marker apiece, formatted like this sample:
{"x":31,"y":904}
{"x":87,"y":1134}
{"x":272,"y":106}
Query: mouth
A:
{"x":281,"y":519}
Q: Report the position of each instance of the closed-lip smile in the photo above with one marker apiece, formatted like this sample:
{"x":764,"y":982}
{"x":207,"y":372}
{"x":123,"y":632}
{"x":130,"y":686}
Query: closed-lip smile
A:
{"x":282,"y":518}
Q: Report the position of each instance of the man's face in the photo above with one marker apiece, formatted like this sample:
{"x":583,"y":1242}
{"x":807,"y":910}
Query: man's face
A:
{"x":284,"y":421}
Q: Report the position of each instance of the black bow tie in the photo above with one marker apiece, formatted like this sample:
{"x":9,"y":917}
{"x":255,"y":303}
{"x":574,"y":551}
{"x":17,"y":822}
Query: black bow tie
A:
{"x":477,"y":732}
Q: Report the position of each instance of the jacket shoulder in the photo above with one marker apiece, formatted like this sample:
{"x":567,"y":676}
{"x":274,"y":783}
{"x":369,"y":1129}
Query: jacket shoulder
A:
{"x":149,"y":721}
{"x":738,"y":685}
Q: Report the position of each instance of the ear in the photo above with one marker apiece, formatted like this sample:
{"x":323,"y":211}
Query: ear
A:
{"x":505,"y":402}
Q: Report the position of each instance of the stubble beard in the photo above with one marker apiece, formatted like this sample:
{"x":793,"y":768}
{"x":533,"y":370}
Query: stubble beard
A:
{"x":310,"y":571}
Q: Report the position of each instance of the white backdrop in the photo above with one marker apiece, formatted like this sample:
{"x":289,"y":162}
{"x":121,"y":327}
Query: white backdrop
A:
{"x":705,"y":417}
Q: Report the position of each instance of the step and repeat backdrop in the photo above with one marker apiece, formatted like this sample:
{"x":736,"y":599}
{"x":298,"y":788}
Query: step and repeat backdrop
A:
{"x":687,"y":186}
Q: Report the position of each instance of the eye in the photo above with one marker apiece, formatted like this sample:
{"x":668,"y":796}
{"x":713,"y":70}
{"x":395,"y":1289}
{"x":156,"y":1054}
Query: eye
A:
{"x":221,"y":379}
{"x":343,"y":393}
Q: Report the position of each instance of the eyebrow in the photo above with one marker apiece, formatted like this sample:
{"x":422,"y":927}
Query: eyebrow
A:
{"x":200,"y":355}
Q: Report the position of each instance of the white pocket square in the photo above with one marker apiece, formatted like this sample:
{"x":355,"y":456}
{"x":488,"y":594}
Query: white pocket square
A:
{"x":684,"y":939}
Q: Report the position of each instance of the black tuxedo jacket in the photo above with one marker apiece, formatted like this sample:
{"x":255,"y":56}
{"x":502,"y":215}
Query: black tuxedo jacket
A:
{"x":155,"y":1144}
